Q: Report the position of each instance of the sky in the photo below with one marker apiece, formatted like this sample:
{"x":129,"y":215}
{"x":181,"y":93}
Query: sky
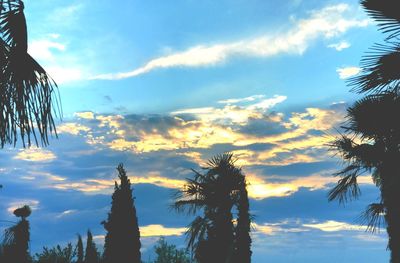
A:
{"x":162,"y":86}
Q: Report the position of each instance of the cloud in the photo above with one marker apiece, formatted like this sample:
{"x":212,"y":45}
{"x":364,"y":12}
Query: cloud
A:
{"x":35,"y":155}
{"x":64,"y":74}
{"x":43,"y":49}
{"x":340,"y":46}
{"x":348,"y":72}
{"x":160,"y":230}
{"x":259,"y":188}
{"x":65,"y":213}
{"x":148,"y":231}
{"x":334,"y":226}
{"x":271,"y":229}
{"x":155,"y":179}
{"x":233,"y":114}
{"x":247,"y":99}
{"x":298,"y":137}
{"x":326,"y":23}
{"x":72,"y":128}
{"x":85,"y":115}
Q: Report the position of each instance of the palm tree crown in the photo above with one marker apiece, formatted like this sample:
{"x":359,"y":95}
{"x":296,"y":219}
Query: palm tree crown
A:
{"x":214,"y":236}
{"x":27,"y":100}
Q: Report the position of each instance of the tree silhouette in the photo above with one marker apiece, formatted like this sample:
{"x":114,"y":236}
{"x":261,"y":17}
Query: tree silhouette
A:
{"x":27,"y":100}
{"x":56,"y":254}
{"x":169,"y":253}
{"x":213,"y":236}
{"x":16,"y":239}
{"x":91,"y":255}
{"x":371,"y":141}
{"x":79,"y":250}
{"x":122,"y":241}
{"x":242,"y":230}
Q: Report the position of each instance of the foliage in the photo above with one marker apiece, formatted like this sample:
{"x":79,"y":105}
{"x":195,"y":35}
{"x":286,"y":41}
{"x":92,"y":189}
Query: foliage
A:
{"x":56,"y":254}
{"x":371,"y":140}
{"x":122,"y":241}
{"x":15,"y":245}
{"x":169,"y":253}
{"x":213,"y":236}
{"x":27,"y":93}
{"x":91,"y":255}
{"x":79,"y":250}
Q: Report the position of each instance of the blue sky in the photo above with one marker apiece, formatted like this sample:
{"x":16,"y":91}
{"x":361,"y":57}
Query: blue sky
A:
{"x":164,"y":85}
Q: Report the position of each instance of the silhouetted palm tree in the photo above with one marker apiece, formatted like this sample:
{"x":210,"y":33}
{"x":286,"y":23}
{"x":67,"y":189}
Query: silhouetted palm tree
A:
{"x":215,"y":193}
{"x":27,"y":98}
{"x":371,"y":142}
{"x":372,"y":146}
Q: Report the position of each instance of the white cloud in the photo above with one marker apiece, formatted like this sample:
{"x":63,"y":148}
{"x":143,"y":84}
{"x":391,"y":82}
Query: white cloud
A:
{"x":234,"y":114}
{"x":328,"y":22}
{"x":239,"y":100}
{"x":333,"y":226}
{"x":66,"y":213}
{"x":340,"y":46}
{"x":43,"y":49}
{"x":348,"y":72}
{"x":55,"y":60}
{"x":64,"y":74}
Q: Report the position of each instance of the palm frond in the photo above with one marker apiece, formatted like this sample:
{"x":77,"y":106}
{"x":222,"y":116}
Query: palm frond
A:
{"x":379,"y":70}
{"x":29,"y":98}
{"x":385,"y":12}
{"x":373,"y":217}
{"x":13,"y":27}
{"x":197,"y":231}
{"x":370,"y":117}
{"x":191,"y":207}
{"x":347,"y":188}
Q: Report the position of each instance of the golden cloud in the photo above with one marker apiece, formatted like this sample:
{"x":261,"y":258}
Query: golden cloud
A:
{"x":259,"y":188}
{"x":72,"y":128}
{"x":160,"y":230}
{"x":85,"y":115}
{"x":35,"y":155}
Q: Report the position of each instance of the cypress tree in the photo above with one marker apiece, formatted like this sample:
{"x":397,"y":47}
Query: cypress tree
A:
{"x":122,"y":241}
{"x":91,"y":255}
{"x":79,"y":248}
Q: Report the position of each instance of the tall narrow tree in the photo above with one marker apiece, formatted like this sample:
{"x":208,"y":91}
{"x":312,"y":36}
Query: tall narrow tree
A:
{"x":79,"y":250}
{"x":91,"y":254}
{"x":122,"y":241}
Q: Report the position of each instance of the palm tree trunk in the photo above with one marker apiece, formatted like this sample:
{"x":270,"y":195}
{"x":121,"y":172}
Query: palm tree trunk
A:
{"x":390,"y":191}
{"x":243,"y":239}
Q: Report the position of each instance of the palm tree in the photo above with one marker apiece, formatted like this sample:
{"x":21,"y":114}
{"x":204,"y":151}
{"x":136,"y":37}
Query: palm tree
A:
{"x":215,"y":193}
{"x":27,"y":101}
{"x":371,"y":145}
